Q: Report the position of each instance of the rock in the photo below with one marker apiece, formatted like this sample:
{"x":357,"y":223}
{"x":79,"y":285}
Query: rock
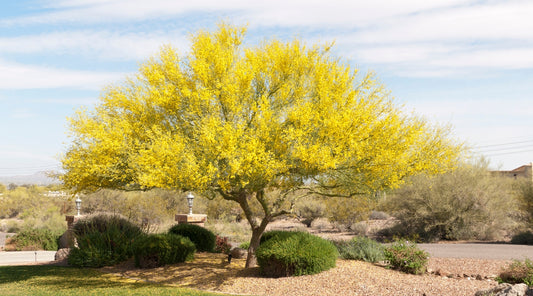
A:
{"x":62,"y":254}
{"x":238,"y":253}
{"x":442,"y":272}
{"x":505,"y":290}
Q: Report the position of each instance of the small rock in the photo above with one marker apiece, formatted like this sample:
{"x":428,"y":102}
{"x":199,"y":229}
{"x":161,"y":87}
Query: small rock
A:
{"x":62,"y":254}
{"x":238,"y":253}
{"x":442,"y":272}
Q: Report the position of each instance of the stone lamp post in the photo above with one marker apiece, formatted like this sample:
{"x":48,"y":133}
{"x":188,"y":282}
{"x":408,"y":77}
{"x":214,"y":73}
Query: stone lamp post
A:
{"x":78,"y":205}
{"x":198,"y":219}
{"x":190,"y":198}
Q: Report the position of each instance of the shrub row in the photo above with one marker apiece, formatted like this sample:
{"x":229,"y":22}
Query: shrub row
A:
{"x":35,"y":239}
{"x":104,"y":240}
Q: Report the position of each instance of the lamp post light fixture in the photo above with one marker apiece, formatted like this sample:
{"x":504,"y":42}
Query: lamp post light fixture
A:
{"x":190,"y":198}
{"x":78,"y":204}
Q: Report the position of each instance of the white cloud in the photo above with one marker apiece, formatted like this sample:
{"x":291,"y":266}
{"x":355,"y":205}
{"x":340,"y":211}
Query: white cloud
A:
{"x":314,"y":13}
{"x":101,"y":44}
{"x":18,"y":76}
{"x":22,"y":114}
{"x":493,"y":21}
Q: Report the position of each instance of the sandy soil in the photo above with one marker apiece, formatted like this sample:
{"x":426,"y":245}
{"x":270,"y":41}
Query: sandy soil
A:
{"x":212,"y":272}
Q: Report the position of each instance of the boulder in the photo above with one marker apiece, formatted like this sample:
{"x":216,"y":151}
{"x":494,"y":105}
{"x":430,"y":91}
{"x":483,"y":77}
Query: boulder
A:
{"x":506,"y":290}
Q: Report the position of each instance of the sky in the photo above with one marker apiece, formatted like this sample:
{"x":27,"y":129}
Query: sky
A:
{"x":467,"y":64}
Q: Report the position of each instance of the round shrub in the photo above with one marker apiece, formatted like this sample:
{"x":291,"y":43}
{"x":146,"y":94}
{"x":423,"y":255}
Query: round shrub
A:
{"x":406,"y":257}
{"x":154,"y":250}
{"x":295,"y":253}
{"x":103,"y":240}
{"x":274,"y":233}
{"x":203,"y":239}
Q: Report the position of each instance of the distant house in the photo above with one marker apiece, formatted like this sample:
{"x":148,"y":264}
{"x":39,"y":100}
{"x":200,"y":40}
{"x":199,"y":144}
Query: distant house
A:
{"x":524,"y":171}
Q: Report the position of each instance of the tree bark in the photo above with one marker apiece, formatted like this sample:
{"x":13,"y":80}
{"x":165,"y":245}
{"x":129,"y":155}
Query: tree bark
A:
{"x":251,"y":260}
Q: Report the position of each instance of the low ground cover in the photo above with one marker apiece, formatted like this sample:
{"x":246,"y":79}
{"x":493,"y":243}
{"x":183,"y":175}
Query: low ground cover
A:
{"x":57,"y":280}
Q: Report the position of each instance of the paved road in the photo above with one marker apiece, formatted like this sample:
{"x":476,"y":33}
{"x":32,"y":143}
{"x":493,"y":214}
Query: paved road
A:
{"x":479,"y":251}
{"x":25,"y":257}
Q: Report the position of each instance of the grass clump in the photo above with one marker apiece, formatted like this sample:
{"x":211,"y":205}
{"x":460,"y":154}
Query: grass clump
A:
{"x":35,"y":239}
{"x":155,"y":250}
{"x":203,"y":239}
{"x":103,"y":240}
{"x":406,"y":257}
{"x":360,"y":248}
{"x":518,"y":272}
{"x":295,"y":253}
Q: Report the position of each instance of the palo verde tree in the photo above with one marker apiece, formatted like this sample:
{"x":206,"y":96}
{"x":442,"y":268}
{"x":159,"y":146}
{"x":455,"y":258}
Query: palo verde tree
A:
{"x":251,"y":125}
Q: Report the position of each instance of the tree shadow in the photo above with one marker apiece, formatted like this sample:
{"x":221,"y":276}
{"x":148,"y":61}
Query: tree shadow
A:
{"x":207,"y":271}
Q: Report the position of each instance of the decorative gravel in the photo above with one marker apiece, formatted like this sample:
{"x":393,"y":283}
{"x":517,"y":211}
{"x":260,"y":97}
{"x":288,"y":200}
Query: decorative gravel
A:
{"x":212,"y":272}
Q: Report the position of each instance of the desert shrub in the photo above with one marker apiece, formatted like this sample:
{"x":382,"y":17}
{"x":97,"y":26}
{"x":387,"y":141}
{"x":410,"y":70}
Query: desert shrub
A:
{"x":310,"y":209}
{"x":234,"y":231}
{"x":523,"y":238}
{"x":222,"y":245}
{"x":468,"y":203}
{"x":518,"y":272}
{"x":154,"y":250}
{"x":359,"y":228}
{"x":203,"y":239}
{"x":103,"y":240}
{"x":221,"y":209}
{"x":296,"y":253}
{"x":345,"y":212}
{"x":35,"y":239}
{"x":406,"y":257}
{"x":152,"y":207}
{"x":525,"y":196}
{"x":360,"y":248}
{"x":378,"y":215}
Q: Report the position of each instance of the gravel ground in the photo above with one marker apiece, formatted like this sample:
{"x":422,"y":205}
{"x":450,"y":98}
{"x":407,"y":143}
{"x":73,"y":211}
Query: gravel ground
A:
{"x":211,"y":272}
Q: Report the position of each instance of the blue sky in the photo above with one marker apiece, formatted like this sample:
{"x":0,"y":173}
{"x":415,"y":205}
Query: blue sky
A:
{"x":464,"y":63}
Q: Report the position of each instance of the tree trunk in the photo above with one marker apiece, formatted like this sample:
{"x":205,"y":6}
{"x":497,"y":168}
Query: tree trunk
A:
{"x":251,"y":260}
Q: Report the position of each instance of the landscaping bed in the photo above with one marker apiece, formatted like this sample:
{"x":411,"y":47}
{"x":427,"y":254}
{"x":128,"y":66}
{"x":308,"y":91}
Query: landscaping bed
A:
{"x":212,"y":272}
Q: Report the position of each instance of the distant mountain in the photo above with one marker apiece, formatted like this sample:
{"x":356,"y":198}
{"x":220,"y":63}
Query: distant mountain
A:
{"x":39,"y":178}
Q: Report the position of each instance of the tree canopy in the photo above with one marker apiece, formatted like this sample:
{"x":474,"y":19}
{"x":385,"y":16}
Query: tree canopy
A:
{"x":239,"y":122}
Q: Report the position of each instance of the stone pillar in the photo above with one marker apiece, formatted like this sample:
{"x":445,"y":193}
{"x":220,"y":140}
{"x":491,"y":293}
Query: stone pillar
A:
{"x":69,"y":235}
{"x":197,"y":219}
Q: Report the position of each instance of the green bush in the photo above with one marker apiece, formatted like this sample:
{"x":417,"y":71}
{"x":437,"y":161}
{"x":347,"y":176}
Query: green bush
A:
{"x":295,"y":253}
{"x":154,"y":250}
{"x":360,"y":248}
{"x":103,"y":240}
{"x":523,"y":238}
{"x":406,"y":257}
{"x":518,"y":272}
{"x":203,"y":239}
{"x":36,"y":239}
{"x":274,"y":233}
